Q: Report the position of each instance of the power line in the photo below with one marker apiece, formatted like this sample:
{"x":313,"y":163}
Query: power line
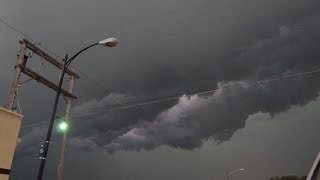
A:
{"x":159,"y":100}
{"x":97,"y":83}
{"x":14,"y":29}
{"x":33,"y":125}
{"x":28,"y":37}
{"x":153,"y":101}
{"x":172,"y":11}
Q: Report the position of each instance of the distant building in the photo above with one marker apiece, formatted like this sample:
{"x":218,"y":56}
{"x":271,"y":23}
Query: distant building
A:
{"x":10,"y":123}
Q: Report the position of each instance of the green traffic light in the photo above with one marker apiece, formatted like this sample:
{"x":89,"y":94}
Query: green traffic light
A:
{"x":63,"y":126}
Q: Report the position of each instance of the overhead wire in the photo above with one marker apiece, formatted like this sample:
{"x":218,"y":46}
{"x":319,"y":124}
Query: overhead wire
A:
{"x":146,"y":102}
{"x":14,"y":29}
{"x":97,"y":83}
{"x":46,"y":49}
{"x":128,"y":106}
{"x":155,"y":100}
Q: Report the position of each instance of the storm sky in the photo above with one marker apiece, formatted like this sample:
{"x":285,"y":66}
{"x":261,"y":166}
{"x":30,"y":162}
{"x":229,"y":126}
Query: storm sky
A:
{"x":172,"y":49}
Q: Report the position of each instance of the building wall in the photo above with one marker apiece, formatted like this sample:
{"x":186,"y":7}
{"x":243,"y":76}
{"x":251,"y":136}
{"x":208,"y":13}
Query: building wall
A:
{"x":10,"y":123}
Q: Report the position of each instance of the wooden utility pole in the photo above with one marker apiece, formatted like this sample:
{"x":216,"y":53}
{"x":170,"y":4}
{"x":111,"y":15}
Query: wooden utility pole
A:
{"x":22,"y":58}
{"x":21,"y":67}
{"x":64,"y":138}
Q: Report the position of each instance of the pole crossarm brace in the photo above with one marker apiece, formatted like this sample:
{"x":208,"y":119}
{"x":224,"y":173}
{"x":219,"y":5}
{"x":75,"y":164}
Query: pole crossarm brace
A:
{"x":47,"y":57}
{"x":45,"y":81}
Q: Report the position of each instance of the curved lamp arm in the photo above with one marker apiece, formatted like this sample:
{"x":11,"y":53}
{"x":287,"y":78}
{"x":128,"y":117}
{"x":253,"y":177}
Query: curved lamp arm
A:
{"x":68,"y":62}
{"x":109,"y":42}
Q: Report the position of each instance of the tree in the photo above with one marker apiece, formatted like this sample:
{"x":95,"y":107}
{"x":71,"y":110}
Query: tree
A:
{"x":289,"y":178}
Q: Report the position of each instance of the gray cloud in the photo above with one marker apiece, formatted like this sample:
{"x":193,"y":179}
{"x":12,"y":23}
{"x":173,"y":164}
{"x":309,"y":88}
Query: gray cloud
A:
{"x":169,"y":48}
{"x":187,"y":123}
{"x":217,"y":47}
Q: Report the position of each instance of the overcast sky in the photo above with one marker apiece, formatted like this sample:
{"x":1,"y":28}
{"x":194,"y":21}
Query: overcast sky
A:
{"x":172,"y":49}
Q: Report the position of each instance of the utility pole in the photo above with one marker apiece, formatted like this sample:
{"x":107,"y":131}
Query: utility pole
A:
{"x":64,"y":137}
{"x":64,"y":67}
{"x":21,"y":67}
{"x":109,"y":42}
{"x":22,"y":58}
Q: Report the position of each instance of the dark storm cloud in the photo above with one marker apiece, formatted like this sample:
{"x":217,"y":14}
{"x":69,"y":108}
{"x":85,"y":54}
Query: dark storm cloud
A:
{"x":188,"y":122}
{"x":170,"y":48}
{"x":196,"y":47}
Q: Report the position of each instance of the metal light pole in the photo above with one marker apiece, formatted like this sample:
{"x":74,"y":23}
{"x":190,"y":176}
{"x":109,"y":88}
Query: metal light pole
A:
{"x":232,"y":172}
{"x":110,"y":42}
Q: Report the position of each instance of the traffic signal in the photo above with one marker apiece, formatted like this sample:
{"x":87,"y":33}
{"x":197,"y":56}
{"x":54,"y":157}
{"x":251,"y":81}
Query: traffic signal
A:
{"x":63,"y":125}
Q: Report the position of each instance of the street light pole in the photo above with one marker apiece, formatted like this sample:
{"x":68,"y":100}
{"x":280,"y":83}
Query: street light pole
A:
{"x":110,"y":42}
{"x":53,"y":116}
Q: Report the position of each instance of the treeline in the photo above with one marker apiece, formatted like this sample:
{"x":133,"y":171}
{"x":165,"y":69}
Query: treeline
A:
{"x":289,"y":178}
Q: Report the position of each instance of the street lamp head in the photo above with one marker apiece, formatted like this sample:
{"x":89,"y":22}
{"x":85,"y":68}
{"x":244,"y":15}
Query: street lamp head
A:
{"x":110,"y":42}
